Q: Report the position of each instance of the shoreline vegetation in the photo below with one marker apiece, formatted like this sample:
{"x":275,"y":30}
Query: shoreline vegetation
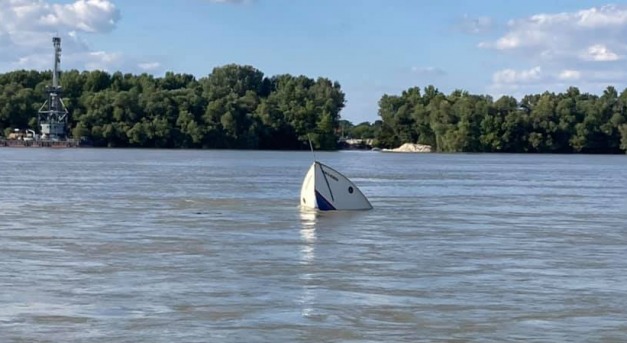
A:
{"x":238,"y":107}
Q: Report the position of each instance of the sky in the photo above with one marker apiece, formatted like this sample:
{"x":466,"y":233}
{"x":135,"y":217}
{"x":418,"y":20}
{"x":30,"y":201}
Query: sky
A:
{"x":371,"y":47}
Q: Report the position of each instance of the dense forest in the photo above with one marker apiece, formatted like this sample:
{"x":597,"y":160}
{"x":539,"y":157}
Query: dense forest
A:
{"x":239,"y":107}
{"x":234,"y":107}
{"x":460,"y":122}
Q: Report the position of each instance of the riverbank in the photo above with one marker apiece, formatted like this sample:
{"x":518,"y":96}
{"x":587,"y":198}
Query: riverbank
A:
{"x":12,"y":143}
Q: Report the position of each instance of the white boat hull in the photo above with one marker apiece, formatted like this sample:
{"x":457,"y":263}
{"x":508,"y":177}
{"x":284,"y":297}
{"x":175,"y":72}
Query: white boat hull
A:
{"x":326,"y":189}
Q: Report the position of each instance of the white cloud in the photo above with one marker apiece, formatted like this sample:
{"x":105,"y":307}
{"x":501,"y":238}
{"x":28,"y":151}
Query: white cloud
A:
{"x":569,"y":75}
{"x":532,"y":81}
{"x":27,"y":27}
{"x":112,"y":62}
{"x":101,"y":60}
{"x":599,"y":53}
{"x":148,"y":66}
{"x":39,"y":15}
{"x":511,"y":76}
{"x":84,"y":60}
{"x":606,"y":16}
{"x":428,"y":71}
{"x":582,"y":48}
{"x":565,"y":34}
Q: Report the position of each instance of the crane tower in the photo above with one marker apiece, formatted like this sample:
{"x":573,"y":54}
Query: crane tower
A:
{"x":53,"y":115}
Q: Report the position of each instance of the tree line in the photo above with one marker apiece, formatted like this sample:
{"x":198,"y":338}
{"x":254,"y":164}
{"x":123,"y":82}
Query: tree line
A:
{"x":568,"y":122}
{"x":239,"y":107}
{"x":234,"y":107}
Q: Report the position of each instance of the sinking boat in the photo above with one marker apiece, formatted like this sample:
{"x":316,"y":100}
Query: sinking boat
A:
{"x":326,"y":189}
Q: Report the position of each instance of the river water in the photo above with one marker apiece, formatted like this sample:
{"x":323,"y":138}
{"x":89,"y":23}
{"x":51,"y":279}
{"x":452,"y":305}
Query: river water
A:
{"x":210,"y":246}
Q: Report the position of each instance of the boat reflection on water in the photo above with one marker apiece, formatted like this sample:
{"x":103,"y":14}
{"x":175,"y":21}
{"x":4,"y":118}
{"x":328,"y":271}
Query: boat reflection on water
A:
{"x":317,"y":227}
{"x":307,"y":260}
{"x":308,"y":235}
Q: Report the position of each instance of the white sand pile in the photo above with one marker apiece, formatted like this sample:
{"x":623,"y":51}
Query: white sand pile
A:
{"x":411,"y":147}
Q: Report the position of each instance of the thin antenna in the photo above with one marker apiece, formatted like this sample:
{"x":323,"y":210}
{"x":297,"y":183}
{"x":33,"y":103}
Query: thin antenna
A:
{"x":311,"y":147}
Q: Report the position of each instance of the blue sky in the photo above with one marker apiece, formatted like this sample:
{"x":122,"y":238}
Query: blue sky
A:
{"x":371,"y":47}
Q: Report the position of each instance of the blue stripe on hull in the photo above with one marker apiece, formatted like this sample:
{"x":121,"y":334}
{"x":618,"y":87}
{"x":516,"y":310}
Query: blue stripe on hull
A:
{"x":323,"y":204}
